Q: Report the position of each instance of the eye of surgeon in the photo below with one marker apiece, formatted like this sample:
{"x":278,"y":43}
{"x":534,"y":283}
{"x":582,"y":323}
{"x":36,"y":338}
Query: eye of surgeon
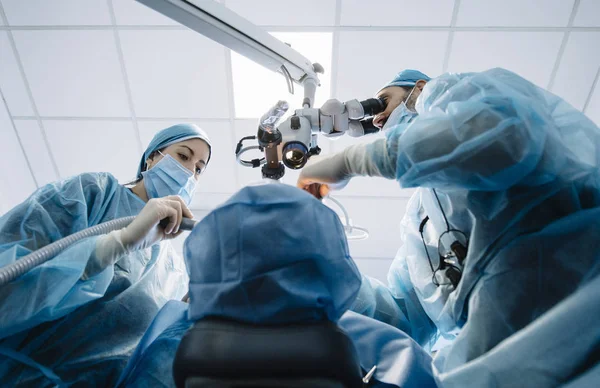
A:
{"x":76,"y":319}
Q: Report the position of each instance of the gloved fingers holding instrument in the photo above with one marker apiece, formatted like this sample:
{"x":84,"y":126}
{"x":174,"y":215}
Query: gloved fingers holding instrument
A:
{"x":147,"y":228}
{"x":322,"y":174}
{"x":159,"y":220}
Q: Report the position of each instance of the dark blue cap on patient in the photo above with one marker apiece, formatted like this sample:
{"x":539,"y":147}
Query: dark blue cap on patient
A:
{"x":271,"y":254}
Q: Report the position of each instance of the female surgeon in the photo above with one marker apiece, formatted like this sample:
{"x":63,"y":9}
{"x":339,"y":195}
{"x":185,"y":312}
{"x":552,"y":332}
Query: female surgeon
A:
{"x":502,"y":230}
{"x":77,"y":318}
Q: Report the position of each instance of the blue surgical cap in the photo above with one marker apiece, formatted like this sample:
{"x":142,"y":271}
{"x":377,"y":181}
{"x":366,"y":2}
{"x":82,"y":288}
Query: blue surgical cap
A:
{"x":172,"y":135}
{"x":272,"y":254}
{"x":407,"y":77}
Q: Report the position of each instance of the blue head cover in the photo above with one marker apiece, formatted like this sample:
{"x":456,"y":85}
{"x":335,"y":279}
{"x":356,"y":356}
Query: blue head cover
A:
{"x":172,"y":135}
{"x":271,"y":254}
{"x":407,"y":77}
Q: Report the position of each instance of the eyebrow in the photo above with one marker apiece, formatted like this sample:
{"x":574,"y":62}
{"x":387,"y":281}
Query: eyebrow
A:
{"x":191,"y":150}
{"x":194,"y":154}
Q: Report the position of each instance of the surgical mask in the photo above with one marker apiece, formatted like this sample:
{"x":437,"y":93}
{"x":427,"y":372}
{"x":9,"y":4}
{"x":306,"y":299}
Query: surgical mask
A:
{"x":169,"y":177}
{"x":401,"y":115}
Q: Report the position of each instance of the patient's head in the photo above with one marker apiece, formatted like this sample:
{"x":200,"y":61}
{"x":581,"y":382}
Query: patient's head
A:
{"x":271,"y":254}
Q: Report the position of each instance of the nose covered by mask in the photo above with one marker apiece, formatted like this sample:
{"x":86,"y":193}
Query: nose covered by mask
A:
{"x":169,"y":177}
{"x":401,"y":115}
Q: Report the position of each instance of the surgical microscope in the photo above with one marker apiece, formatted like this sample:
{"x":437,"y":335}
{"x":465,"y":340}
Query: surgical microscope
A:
{"x":295,"y":140}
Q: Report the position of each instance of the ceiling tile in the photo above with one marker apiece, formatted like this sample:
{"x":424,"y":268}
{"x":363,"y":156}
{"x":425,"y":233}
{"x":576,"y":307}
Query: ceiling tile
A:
{"x":249,"y":79}
{"x":56,"y":12}
{"x":593,"y":109}
{"x":16,"y":182}
{"x":578,"y":67}
{"x":82,"y":146}
{"x":220,"y":175}
{"x":396,"y":13}
{"x":11,"y":82}
{"x":588,"y":14}
{"x":35,"y":147}
{"x":130,"y":12}
{"x":381,"y":216}
{"x":175,"y":74}
{"x":73,"y":73}
{"x":478,"y":51}
{"x":366,"y":62}
{"x":514,"y":13}
{"x":285,"y":12}
{"x":256,"y":89}
{"x":375,"y":268}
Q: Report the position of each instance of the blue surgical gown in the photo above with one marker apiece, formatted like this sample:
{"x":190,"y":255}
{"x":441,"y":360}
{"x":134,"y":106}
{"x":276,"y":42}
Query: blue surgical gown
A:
{"x":516,"y":169}
{"x":56,"y":327}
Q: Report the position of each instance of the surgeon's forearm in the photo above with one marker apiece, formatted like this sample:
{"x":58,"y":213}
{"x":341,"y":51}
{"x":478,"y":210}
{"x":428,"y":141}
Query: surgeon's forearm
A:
{"x":371,"y":159}
{"x":109,"y":249}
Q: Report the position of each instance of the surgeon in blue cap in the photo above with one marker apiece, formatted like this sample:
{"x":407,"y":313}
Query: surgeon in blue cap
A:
{"x":270,"y":270}
{"x":502,"y":229}
{"x":76,"y":319}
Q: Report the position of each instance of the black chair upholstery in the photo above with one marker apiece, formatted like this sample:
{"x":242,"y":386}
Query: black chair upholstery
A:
{"x":222,"y":353}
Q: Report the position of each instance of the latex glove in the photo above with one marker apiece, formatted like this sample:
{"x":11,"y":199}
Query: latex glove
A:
{"x":142,"y":233}
{"x":335,"y":171}
{"x":145,"y":230}
{"x":344,"y":113}
{"x":324,"y":173}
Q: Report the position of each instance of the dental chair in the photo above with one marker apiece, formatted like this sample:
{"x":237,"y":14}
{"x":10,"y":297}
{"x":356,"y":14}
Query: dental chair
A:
{"x":219,"y":353}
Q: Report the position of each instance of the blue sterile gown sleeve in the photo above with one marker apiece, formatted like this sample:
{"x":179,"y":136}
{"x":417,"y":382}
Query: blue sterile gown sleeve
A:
{"x":56,"y":327}
{"x":488,"y":132}
{"x":516,"y":169}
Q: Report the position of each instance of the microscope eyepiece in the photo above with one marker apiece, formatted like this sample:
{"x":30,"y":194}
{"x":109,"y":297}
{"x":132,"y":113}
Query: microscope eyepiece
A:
{"x":373,"y":106}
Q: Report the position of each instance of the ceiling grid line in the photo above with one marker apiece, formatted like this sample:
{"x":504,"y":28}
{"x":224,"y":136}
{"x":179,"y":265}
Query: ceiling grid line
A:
{"x":14,"y":127}
{"x":450,"y":36}
{"x":592,"y":90}
{"x":563,"y":45}
{"x":119,"y":118}
{"x":283,"y":28}
{"x":335,"y":54}
{"x":29,"y":93}
{"x":231,"y":102}
{"x":125,"y":77}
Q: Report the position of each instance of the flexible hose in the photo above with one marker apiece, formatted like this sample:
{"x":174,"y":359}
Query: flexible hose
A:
{"x":42,"y":255}
{"x":349,"y":229}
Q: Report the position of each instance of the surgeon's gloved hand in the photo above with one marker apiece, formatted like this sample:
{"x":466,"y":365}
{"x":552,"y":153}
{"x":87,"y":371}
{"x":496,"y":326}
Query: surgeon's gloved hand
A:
{"x":143,"y":232}
{"x":335,"y":171}
{"x":321,"y":174}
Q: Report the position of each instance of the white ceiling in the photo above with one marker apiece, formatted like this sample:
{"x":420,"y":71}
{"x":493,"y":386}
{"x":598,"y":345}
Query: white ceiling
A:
{"x":86,"y":83}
